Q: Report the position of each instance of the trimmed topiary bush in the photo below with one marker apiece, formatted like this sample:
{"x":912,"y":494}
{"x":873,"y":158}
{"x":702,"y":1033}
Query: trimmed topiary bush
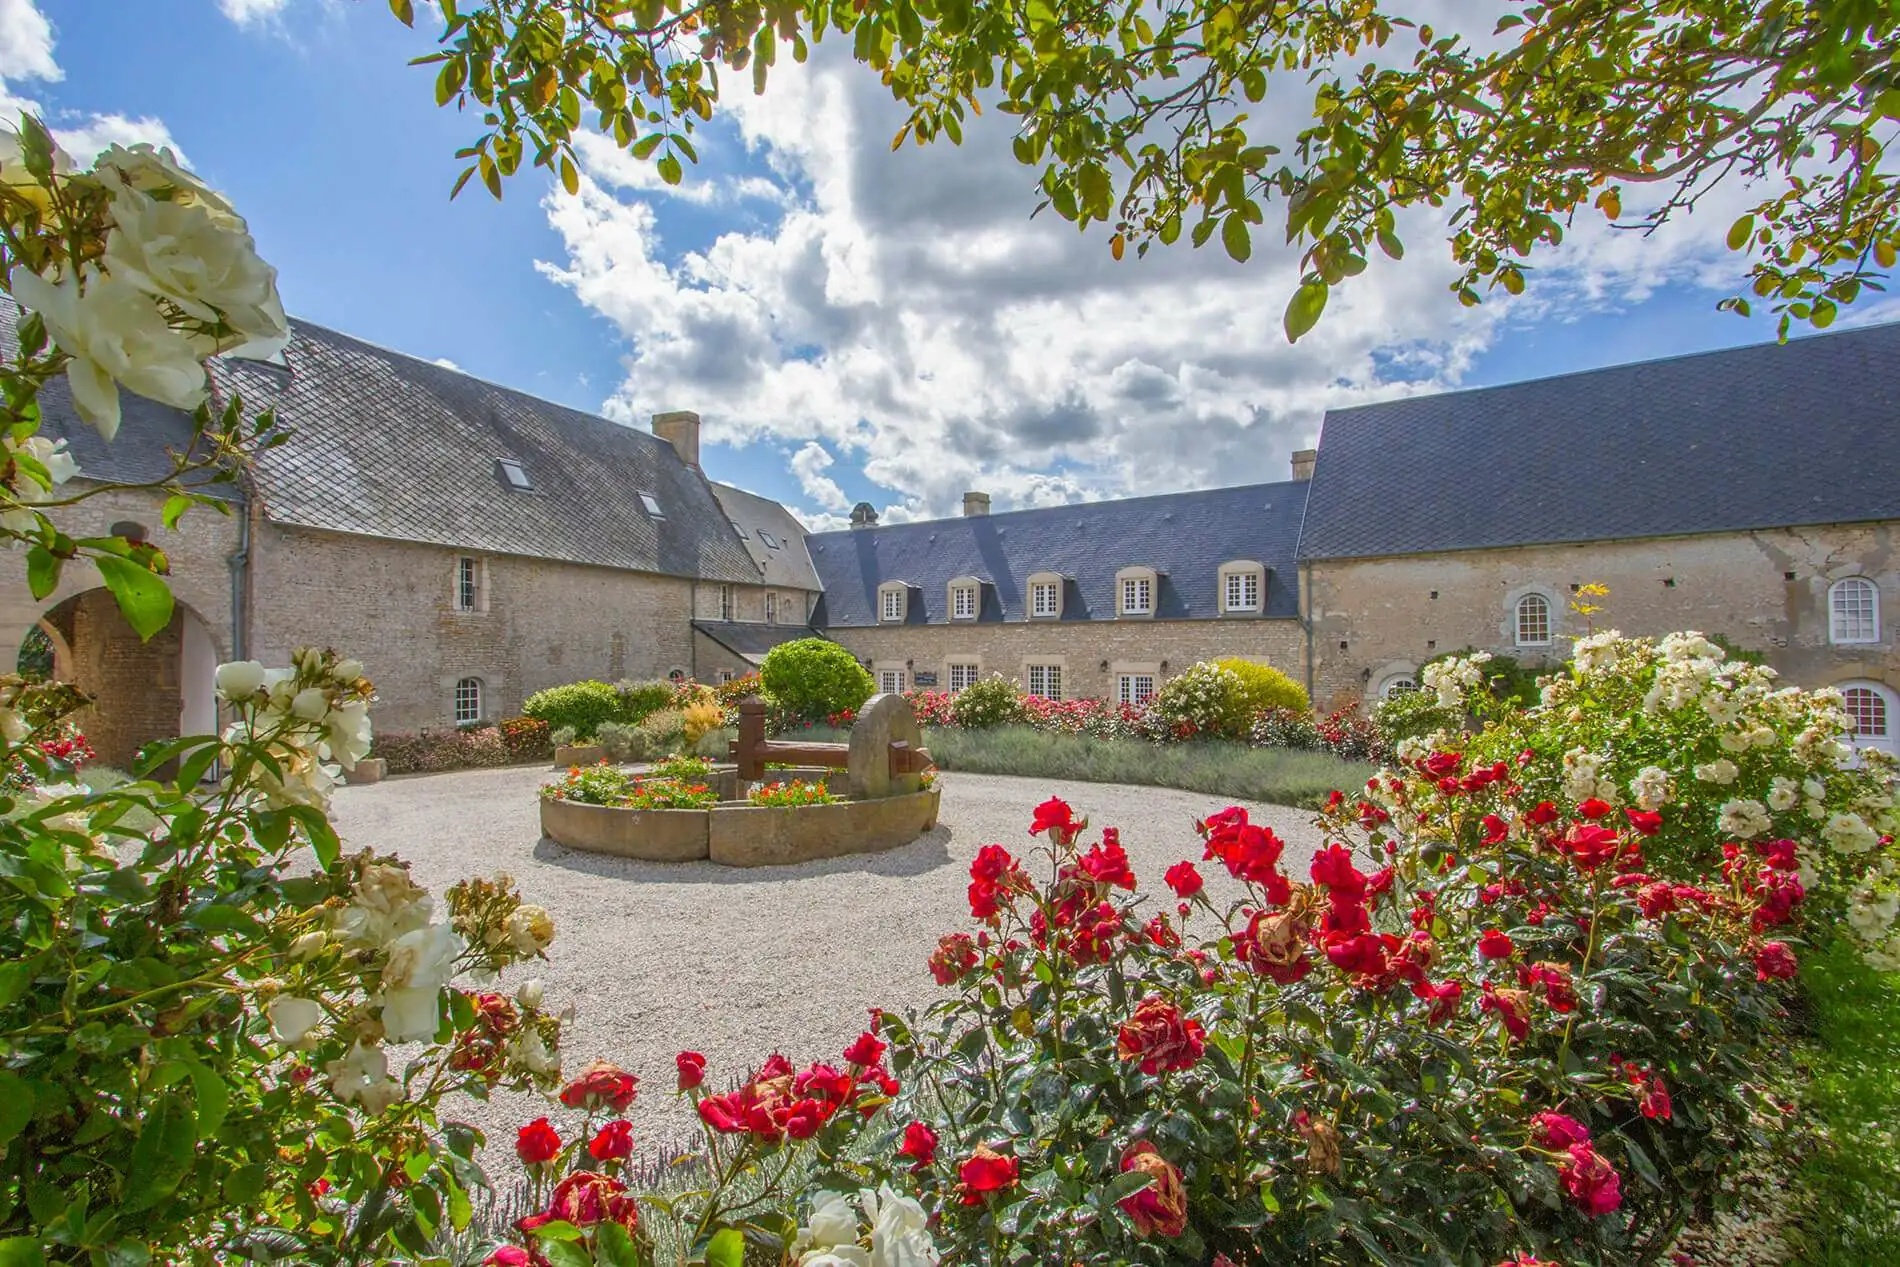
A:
{"x":986,"y":702}
{"x":814,"y":678}
{"x":1263,"y":686}
{"x":582,"y":705}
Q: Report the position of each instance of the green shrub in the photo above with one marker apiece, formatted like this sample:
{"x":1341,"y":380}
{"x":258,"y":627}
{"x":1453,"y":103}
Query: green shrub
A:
{"x":1739,"y":654}
{"x":715,"y":745}
{"x":986,"y":702}
{"x":664,"y":730}
{"x":562,"y":736}
{"x":812,"y":677}
{"x":624,"y":742}
{"x":525,"y":738}
{"x":1205,"y":700}
{"x":688,"y":769}
{"x":640,"y":700}
{"x":1413,"y":715}
{"x":1262,"y":686}
{"x":582,"y":705}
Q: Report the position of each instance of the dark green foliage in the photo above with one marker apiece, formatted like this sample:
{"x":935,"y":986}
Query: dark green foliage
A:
{"x":638,"y":700}
{"x":812,"y":678}
{"x":582,"y":705}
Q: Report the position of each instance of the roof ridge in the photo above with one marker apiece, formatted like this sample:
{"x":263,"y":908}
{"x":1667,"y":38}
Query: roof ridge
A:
{"x":1044,"y":510}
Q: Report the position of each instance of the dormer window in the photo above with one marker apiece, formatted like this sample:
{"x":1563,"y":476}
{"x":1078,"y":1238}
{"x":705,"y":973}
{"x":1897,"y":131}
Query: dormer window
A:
{"x":893,"y":602}
{"x":1135,"y":591}
{"x":1243,"y":586}
{"x":966,"y":598}
{"x":652,"y":504}
{"x":514,"y":475}
{"x":1045,"y":596}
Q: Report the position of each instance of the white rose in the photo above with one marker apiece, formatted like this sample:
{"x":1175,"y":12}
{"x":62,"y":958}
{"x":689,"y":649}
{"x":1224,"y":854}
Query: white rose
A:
{"x":150,"y":169}
{"x":386,"y":905}
{"x":1721,"y":771}
{"x":239,"y":680}
{"x":1849,"y":833}
{"x":527,"y":1051}
{"x":51,"y":455}
{"x":531,"y":994}
{"x":291,"y":1018}
{"x":900,"y":1235}
{"x":834,"y":1221}
{"x":349,"y":733}
{"x":311,"y":703}
{"x":362,"y":1075}
{"x":836,"y":1256}
{"x":1783,"y":794}
{"x":530,"y":928}
{"x":113,"y":334}
{"x":308,"y":946}
{"x":410,"y":1014}
{"x":423,"y":958}
{"x":1743,"y":819}
{"x":1650,"y":787}
{"x":201,"y":259}
{"x":347,"y":671}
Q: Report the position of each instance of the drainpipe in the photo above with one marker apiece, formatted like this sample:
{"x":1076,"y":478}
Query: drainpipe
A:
{"x":240,"y":563}
{"x":1304,"y":602}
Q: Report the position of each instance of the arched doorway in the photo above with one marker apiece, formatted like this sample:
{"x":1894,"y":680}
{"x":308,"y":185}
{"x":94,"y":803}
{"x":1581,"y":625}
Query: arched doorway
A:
{"x":143,"y":690}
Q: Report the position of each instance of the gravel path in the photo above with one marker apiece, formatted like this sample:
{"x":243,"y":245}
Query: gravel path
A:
{"x":658,"y":957}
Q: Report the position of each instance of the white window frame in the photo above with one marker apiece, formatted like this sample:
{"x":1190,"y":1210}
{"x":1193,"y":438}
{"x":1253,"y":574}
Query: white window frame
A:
{"x":965,"y":600}
{"x":959,"y":674}
{"x":1044,"y":678}
{"x":468,"y":691}
{"x":1884,"y":700}
{"x":771,"y":607}
{"x":1134,"y":688}
{"x":1853,"y":612}
{"x":1547,"y":619}
{"x":891,"y":681}
{"x":652,"y":505}
{"x":468,"y":583}
{"x":1045,"y":596}
{"x":893,"y":603}
{"x":1398,"y":685}
{"x":1138,"y":596}
{"x":725,"y":602}
{"x":1241,"y":592}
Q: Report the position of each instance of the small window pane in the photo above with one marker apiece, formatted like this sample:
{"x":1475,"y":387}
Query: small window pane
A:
{"x":741,"y":531}
{"x":893,"y":604}
{"x":1045,"y":680}
{"x":467,"y":584}
{"x":1042,"y":598}
{"x":725,"y":602}
{"x":770,"y":540}
{"x":1243,"y":591}
{"x":963,"y":602}
{"x":1868,"y":711}
{"x":771,"y":608}
{"x":517,"y":477}
{"x":1134,"y":688}
{"x":468,"y":701}
{"x":1533,"y":621}
{"x":962,"y":675}
{"x":1137,"y":595}
{"x":1399,"y":686}
{"x":1854,"y":607}
{"x":890,"y":681}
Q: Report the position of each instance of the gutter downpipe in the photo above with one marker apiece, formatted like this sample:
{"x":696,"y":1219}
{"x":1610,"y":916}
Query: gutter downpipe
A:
{"x":240,"y":564}
{"x":1306,"y":623}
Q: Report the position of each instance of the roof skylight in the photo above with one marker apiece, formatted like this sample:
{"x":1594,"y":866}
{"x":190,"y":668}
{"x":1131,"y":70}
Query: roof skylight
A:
{"x":516,"y":477}
{"x":652,"y":505}
{"x":768,"y":538}
{"x":736,"y":528}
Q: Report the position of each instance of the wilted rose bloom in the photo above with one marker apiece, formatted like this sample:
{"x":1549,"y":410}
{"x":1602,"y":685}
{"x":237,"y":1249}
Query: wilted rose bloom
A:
{"x":1160,"y":1037}
{"x":537,"y":1142}
{"x":602,"y":1084}
{"x":1513,"y":1008}
{"x":1322,"y":1142}
{"x":1160,"y":1209}
{"x":954,"y":956}
{"x":920,"y":1145}
{"x":1274,"y":945}
{"x":985,"y":1171}
{"x":585,"y":1198}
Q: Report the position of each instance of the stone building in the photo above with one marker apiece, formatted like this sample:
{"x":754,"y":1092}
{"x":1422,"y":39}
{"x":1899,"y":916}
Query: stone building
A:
{"x":1103,"y":599}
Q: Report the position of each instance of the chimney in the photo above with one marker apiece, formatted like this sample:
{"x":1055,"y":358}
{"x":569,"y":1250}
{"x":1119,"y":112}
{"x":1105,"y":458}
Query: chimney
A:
{"x":1303,"y":460}
{"x":864,"y":515}
{"x":680,"y":428}
{"x":976,"y":504}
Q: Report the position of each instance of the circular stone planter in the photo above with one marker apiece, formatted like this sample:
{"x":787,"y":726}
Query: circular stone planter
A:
{"x":739,"y":835}
{"x":579,"y":754}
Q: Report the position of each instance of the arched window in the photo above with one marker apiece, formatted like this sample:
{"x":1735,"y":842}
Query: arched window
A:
{"x":468,"y":701}
{"x":1399,"y":686}
{"x":1853,"y":607}
{"x":1870,"y":707}
{"x":1533,"y":621}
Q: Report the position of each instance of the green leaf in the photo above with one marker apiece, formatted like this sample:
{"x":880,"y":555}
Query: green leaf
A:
{"x":405,"y":11}
{"x":570,"y":176}
{"x":613,"y":1247}
{"x":144,"y":598}
{"x":1740,"y":232}
{"x":211,"y":1097}
{"x":564,"y":1254}
{"x":726,"y":1249}
{"x":1303,"y":310}
{"x":21,"y":1251}
{"x":162,"y":1154}
{"x":1234,"y":236}
{"x":42,"y":571}
{"x":16,"y":1105}
{"x":558,"y":1230}
{"x":669,"y":167}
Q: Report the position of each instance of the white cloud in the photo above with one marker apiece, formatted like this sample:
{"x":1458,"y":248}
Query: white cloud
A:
{"x":26,"y":42}
{"x":905,"y":314}
{"x":26,"y":52}
{"x":253,"y":12}
{"x":447,"y":364}
{"x":809,"y":465}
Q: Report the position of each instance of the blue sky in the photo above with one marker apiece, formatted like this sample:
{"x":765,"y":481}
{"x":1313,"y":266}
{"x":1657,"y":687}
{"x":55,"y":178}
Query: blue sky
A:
{"x":852,"y":323}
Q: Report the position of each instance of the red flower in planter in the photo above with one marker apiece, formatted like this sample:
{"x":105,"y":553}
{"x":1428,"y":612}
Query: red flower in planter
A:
{"x":954,"y":956}
{"x":1160,"y":1037}
{"x":614,"y":1141}
{"x":1558,"y":1131}
{"x":1496,"y":944}
{"x":920,"y":1145}
{"x":602,"y":1084}
{"x":866,"y":1049}
{"x":1055,"y":817}
{"x":1644,"y":822}
{"x":1160,"y":1209}
{"x":1589,"y":846}
{"x":1184,"y":879}
{"x":1591,"y":1181}
{"x":985,"y":1171}
{"x":692,"y":1069}
{"x":537,"y":1142}
{"x":1774,"y":962}
{"x":1107,"y":863}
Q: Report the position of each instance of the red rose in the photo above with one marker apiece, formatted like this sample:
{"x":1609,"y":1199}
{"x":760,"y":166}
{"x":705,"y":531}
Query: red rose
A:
{"x":692,"y":1067}
{"x":1513,"y":1008}
{"x":1107,"y":864}
{"x":920,"y":1145}
{"x":1774,"y":962}
{"x":581,"y":1198}
{"x":537,"y":1142}
{"x":614,"y":1142}
{"x":601,"y":1085}
{"x":1160,"y":1037}
{"x":1589,"y":846}
{"x":1443,"y":996}
{"x":1656,"y":899}
{"x":1544,"y":814}
{"x":1643,"y":822}
{"x":1055,"y":817}
{"x":994,"y":874}
{"x":508,"y":1256}
{"x":1594,"y":808}
{"x":1558,"y":1131}
{"x":954,"y":956}
{"x":1184,"y":879}
{"x":1333,"y":869}
{"x":1654,"y":1101}
{"x":1779,"y":854}
{"x":1496,"y":944}
{"x":986,"y":1171}
{"x":1161,"y":1207}
{"x":723,"y":1112}
{"x":1591,"y":1181}
{"x":867,"y":1050}
{"x":1495,"y":829}
{"x":1440,"y":764}
{"x":1362,"y":954}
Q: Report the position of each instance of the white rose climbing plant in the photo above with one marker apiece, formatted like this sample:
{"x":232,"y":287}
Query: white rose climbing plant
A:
{"x":200,"y":996}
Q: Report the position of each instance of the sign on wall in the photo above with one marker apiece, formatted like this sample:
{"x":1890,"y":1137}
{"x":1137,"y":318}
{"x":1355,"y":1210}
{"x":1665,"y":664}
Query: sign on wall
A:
{"x":923,"y":677}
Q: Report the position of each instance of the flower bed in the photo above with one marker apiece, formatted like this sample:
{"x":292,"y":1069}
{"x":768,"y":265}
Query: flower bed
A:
{"x":512,"y":741}
{"x":796,"y":792}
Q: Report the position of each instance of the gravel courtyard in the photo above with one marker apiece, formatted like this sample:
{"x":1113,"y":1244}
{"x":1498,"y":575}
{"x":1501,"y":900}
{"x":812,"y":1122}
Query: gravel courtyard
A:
{"x":657,"y":958}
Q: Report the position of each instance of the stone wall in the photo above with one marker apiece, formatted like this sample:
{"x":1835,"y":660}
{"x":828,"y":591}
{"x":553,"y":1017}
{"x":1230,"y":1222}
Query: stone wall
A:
{"x":748,"y":603}
{"x":1079,"y":647}
{"x":537,"y":623}
{"x":1374,"y":619}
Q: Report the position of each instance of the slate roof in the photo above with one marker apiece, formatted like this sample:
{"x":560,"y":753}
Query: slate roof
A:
{"x":758,"y":518}
{"x":388,"y":445}
{"x":751,"y":641}
{"x":148,"y":431}
{"x":1184,"y":536}
{"x":1775,"y":435}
